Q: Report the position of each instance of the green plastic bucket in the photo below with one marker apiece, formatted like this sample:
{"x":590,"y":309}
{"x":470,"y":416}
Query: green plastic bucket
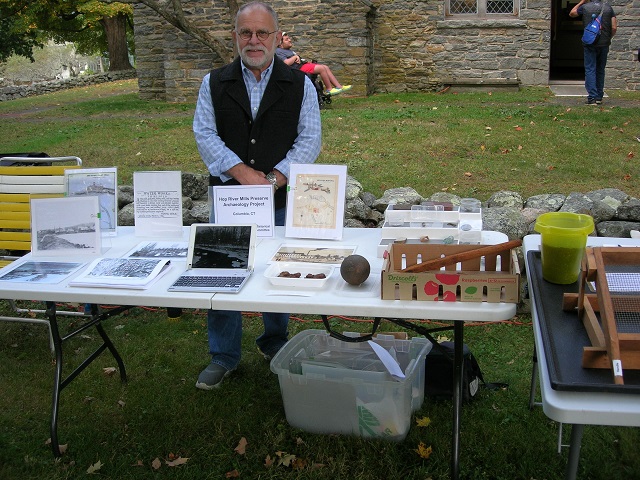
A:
{"x":563,"y":240}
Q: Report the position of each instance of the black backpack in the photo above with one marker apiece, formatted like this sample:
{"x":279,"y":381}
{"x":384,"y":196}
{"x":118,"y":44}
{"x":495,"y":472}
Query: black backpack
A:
{"x":438,"y":374}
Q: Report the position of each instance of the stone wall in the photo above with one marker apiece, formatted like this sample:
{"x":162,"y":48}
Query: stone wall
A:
{"x":383,"y":46}
{"x":615,"y":213}
{"x":40,"y":88}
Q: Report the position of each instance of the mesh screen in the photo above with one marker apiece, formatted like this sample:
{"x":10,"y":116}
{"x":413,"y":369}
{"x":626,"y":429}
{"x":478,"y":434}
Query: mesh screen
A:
{"x":624,"y":290}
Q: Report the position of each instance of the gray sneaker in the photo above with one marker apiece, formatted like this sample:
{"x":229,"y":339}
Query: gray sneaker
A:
{"x":212,"y":376}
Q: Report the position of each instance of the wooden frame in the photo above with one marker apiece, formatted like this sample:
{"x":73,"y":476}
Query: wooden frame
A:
{"x":609,"y":348}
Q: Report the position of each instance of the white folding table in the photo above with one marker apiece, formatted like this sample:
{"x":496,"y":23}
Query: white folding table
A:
{"x":336,"y":298}
{"x":575,"y":407}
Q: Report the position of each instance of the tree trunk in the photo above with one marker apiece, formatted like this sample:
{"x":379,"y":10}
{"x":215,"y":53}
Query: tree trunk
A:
{"x":116,"y":28}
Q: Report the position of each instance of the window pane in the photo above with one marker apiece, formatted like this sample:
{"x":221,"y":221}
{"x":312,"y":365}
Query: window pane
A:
{"x":499,"y":6}
{"x":463,"y":6}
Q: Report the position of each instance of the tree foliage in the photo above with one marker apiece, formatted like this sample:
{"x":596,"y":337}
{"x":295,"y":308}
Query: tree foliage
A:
{"x":94,"y":27}
{"x":15,"y":37}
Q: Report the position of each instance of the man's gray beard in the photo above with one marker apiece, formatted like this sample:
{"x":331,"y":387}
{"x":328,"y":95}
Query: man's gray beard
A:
{"x":255,"y":63}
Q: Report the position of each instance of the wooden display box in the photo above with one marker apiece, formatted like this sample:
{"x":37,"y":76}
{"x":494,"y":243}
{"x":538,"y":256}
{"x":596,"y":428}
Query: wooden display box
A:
{"x":494,"y":278}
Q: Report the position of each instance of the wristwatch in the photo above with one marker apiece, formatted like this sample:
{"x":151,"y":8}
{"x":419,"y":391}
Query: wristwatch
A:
{"x":273,"y":180}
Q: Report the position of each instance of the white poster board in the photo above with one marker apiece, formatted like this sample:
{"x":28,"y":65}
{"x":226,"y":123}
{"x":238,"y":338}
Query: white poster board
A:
{"x":315,"y":201}
{"x":158,"y":203}
{"x":100,"y":182}
{"x":240,"y":204}
{"x":65,"y":226}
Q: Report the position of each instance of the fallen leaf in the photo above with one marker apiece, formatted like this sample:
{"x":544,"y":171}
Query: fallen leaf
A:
{"x":242,"y":446}
{"x":423,"y":422}
{"x":468,"y":174}
{"x":88,"y":399}
{"x":424,"y":451}
{"x":483,"y":148}
{"x":139,"y":463}
{"x":550,"y":167}
{"x":627,"y":177}
{"x":299,"y":464}
{"x":121,"y":403}
{"x":178,"y":461}
{"x":487,"y":128}
{"x":268,"y":461}
{"x":62,"y":448}
{"x":317,"y":465}
{"x":630,"y":155}
{"x":518,"y":128}
{"x":95,"y":467}
{"x":156,"y":464}
{"x":232,"y":474}
{"x":299,"y":441}
{"x":520,"y":147}
{"x":285,"y":458}
{"x":109,"y":371}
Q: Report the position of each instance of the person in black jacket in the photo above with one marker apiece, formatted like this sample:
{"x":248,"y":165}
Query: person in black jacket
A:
{"x":254,"y":118}
{"x":595,"y":55}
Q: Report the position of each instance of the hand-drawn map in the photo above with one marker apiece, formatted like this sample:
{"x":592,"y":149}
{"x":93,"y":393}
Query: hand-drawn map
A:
{"x":315,"y":201}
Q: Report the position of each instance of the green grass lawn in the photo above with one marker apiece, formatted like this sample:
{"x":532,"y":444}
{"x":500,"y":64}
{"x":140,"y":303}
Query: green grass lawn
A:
{"x":159,"y":425}
{"x":470,"y":144}
{"x":160,"y":415}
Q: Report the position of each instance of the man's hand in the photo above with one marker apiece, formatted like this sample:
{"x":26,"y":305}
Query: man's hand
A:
{"x":245,"y":175}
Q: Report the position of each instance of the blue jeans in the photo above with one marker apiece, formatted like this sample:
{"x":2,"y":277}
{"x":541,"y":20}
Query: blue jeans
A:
{"x":224,"y":327}
{"x":595,"y":62}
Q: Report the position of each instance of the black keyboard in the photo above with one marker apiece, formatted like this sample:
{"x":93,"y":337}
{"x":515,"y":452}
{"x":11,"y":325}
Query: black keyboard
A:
{"x":204,"y":281}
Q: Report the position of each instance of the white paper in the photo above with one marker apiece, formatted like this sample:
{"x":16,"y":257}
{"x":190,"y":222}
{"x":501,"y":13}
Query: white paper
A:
{"x":65,"y":226}
{"x":158,"y":204}
{"x":315,"y":201}
{"x":242,"y":204}
{"x":100,"y":182}
{"x":137,"y":273}
{"x":389,"y":362}
{"x":153,"y":249}
{"x":38,"y":272}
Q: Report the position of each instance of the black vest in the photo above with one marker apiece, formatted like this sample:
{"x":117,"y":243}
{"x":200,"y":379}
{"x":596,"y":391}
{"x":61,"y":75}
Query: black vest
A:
{"x":263,"y":143}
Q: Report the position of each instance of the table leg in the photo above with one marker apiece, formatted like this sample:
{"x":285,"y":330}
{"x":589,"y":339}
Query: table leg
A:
{"x":574,"y":452}
{"x":534,"y":381}
{"x":57,"y":378}
{"x":59,"y":383}
{"x":458,"y":370}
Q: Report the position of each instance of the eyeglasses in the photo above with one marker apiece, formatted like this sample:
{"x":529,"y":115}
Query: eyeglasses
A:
{"x":260,"y":34}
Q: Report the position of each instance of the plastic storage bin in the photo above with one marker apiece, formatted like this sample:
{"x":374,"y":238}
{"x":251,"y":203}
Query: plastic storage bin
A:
{"x":332,"y":386}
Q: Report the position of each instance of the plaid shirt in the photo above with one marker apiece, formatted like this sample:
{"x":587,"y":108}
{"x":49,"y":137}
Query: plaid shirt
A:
{"x":218,"y":158}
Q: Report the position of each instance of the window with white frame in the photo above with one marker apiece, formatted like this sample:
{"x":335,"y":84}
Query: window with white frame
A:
{"x":481,"y":8}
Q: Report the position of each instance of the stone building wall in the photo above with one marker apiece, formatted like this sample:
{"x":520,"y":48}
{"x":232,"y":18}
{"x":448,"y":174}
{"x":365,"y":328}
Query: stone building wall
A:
{"x":382,"y":46}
